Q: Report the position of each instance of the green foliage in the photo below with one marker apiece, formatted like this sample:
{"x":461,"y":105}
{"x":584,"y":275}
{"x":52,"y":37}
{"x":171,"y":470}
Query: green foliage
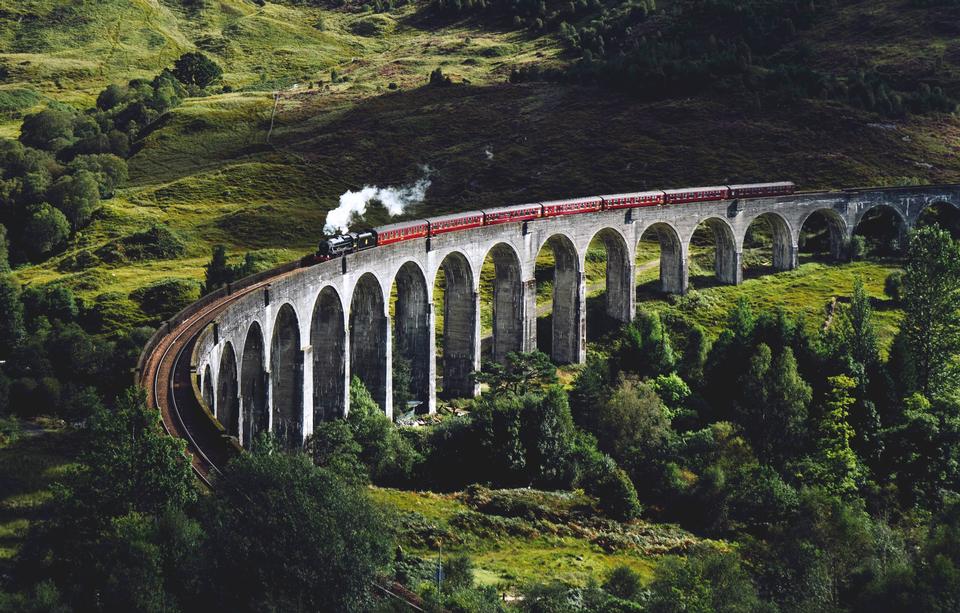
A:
{"x":219,"y":272}
{"x":124,"y":443}
{"x":76,"y":196}
{"x":284,"y":534}
{"x":109,"y":170}
{"x":51,"y":129}
{"x":166,"y":297}
{"x":11,"y":315}
{"x":857,"y":248}
{"x":45,"y":231}
{"x":387,"y":455}
{"x":402,"y":372}
{"x":333,"y":447}
{"x":4,"y":250}
{"x":156,"y":242}
{"x":602,"y":478}
{"x":931,"y":295}
{"x":195,"y":68}
{"x":704,"y":582}
{"x":590,"y":390}
{"x":633,"y":426}
{"x":893,"y":286}
{"x":773,"y":410}
{"x":857,"y":330}
{"x":520,"y":374}
{"x":644,"y":348}
{"x":96,"y":544}
{"x":623,"y":582}
{"x":838,"y":468}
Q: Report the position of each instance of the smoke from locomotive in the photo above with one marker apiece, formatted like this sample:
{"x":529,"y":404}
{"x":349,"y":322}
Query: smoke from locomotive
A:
{"x":353,"y":204}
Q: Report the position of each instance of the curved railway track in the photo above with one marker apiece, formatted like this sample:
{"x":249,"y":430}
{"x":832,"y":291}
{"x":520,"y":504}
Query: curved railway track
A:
{"x":166,"y":377}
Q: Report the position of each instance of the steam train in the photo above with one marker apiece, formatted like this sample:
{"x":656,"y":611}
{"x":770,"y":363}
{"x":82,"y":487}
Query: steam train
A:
{"x":352,"y":242}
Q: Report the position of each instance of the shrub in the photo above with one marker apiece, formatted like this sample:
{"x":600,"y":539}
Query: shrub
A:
{"x":195,"y":68}
{"x":857,"y":248}
{"x":623,"y":582}
{"x":166,"y":297}
{"x":45,"y":231}
{"x":603,"y":479}
{"x":893,"y":286}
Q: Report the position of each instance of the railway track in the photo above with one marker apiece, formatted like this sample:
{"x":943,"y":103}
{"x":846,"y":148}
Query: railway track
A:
{"x":166,"y":377}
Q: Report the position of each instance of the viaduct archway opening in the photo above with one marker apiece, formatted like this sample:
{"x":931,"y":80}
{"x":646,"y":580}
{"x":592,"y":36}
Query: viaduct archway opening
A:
{"x":768,"y":246}
{"x":253,"y":387}
{"x":942,"y":213}
{"x":411,"y":335}
{"x":455,"y":304}
{"x":368,"y":337}
{"x":286,"y":377}
{"x":328,"y":340}
{"x":501,"y":291}
{"x":560,"y":292}
{"x":608,"y":257}
{"x":672,"y":260}
{"x":228,"y":398}
{"x":823,"y":235}
{"x":713,"y":255}
{"x":883,"y":232}
{"x":207,"y":391}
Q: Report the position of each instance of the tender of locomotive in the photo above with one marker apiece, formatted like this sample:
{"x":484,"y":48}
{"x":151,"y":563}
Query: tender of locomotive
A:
{"x":352,"y":242}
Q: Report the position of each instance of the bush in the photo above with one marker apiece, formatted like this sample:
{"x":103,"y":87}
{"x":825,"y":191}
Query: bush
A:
{"x":857,"y":248}
{"x":389,"y":458}
{"x":603,"y":479}
{"x":166,"y":297}
{"x":45,"y":231}
{"x":623,"y":582}
{"x":893,"y":286}
{"x":157,"y":242}
{"x":195,"y":68}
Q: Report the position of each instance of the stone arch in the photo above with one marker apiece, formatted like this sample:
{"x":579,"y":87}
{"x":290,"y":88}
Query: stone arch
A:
{"x":207,"y":389}
{"x":942,"y":211}
{"x":286,"y":378}
{"x":619,"y":275}
{"x":507,"y":300}
{"x":411,"y":328}
{"x":460,"y":319}
{"x":328,"y":340}
{"x":255,"y":417}
{"x":228,"y":399}
{"x":726,"y":261}
{"x":673,"y":261}
{"x":836,"y":230}
{"x":870,"y":224}
{"x":783,"y":250}
{"x":368,"y":337}
{"x":567,"y":328}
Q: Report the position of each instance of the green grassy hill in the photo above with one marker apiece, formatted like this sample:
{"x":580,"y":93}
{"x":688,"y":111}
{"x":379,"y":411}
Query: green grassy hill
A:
{"x":214,"y":172}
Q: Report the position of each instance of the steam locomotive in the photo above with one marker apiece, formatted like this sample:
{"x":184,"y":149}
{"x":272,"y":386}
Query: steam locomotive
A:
{"x":352,"y":242}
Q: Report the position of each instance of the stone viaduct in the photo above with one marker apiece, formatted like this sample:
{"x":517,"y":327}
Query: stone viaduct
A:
{"x":281,"y":358}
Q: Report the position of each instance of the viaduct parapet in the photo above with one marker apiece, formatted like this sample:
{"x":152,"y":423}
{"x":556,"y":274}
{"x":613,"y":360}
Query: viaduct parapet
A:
{"x":280,"y":357}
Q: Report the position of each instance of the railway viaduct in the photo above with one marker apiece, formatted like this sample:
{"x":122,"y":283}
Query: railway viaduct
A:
{"x":278,"y":351}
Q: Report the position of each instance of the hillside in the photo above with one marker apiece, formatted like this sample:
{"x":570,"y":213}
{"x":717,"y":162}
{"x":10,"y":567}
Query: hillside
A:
{"x":258,"y":172}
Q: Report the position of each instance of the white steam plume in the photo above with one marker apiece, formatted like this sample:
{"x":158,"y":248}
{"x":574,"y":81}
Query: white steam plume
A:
{"x":394,"y":199}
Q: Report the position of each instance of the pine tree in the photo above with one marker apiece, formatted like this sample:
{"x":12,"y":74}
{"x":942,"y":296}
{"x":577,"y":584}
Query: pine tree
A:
{"x":931,"y":301}
{"x":839,"y":468}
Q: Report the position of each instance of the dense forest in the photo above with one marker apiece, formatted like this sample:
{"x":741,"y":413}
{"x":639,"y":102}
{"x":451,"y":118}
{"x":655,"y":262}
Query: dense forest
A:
{"x":833,"y":467}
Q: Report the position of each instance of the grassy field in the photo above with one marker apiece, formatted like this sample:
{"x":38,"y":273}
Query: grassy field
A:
{"x":562,"y":539}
